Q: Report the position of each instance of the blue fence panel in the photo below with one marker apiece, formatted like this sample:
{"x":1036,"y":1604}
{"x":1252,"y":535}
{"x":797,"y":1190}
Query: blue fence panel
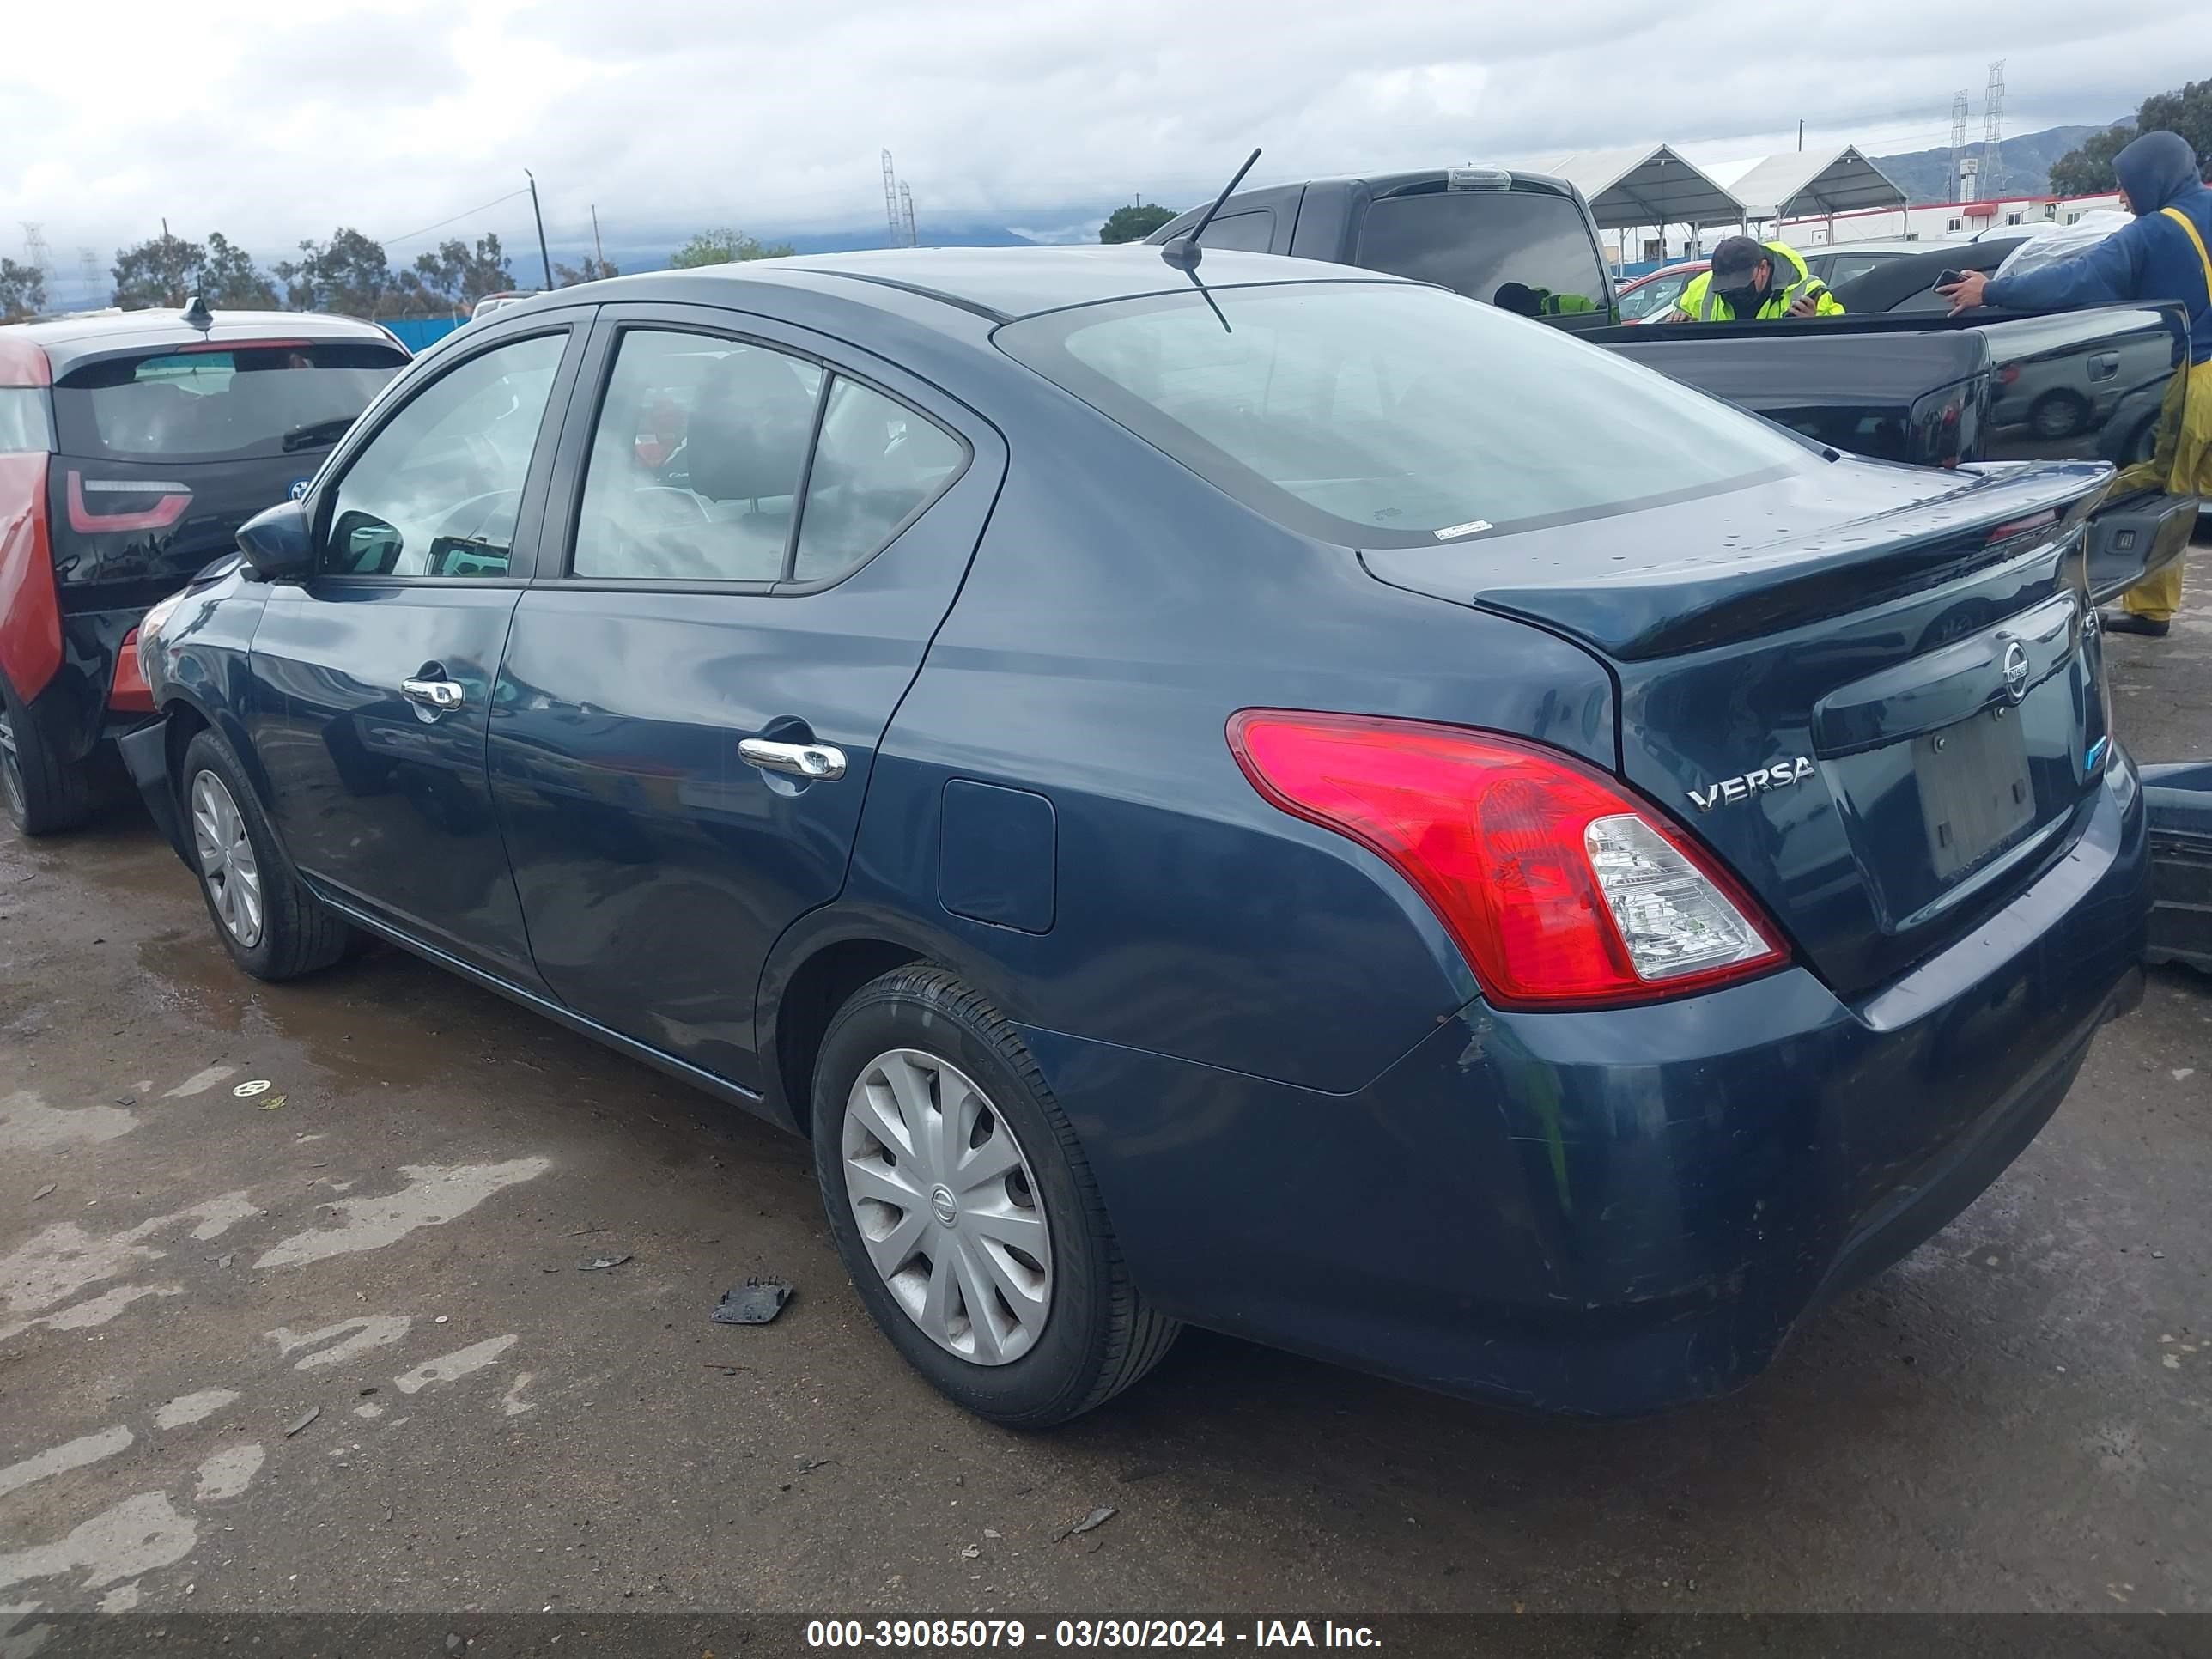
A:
{"x":416,"y":333}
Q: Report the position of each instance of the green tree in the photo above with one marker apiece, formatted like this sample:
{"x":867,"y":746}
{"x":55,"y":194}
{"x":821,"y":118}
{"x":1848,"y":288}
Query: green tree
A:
{"x":2088,"y":171}
{"x":229,"y":278}
{"x":726,"y":246}
{"x":22,"y":291}
{"x":1133,"y":224}
{"x":591,"y":270}
{"x":457,"y":276}
{"x":346,"y":273}
{"x":161,"y":271}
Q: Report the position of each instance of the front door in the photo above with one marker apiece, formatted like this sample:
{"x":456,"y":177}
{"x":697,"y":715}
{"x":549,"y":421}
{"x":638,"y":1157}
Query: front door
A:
{"x":372,"y":680}
{"x":766,"y":534}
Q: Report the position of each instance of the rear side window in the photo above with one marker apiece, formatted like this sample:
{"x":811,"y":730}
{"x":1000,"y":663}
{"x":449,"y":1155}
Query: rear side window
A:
{"x":1243,"y":233}
{"x":220,"y":404}
{"x":1650,"y":299}
{"x":878,"y":466}
{"x":720,"y":460}
{"x":1387,"y":415}
{"x":23,"y":425}
{"x":1524,"y":250}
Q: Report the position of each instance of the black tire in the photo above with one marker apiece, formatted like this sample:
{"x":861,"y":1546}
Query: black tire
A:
{"x":1099,"y":1335}
{"x":299,"y":933}
{"x":41,"y":794}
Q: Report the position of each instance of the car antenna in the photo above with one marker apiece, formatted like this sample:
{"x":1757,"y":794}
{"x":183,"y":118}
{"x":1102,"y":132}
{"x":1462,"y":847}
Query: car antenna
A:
{"x":1184,"y":253}
{"x":196,"y":313}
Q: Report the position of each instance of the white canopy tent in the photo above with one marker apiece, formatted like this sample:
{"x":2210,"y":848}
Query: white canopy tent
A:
{"x":1648,"y":187}
{"x":1799,"y":183}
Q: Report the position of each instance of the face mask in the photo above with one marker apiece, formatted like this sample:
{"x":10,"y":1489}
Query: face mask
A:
{"x":1744,"y":300}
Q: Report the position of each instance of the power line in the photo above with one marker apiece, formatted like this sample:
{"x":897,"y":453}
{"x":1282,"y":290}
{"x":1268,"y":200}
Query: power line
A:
{"x":394,"y":241}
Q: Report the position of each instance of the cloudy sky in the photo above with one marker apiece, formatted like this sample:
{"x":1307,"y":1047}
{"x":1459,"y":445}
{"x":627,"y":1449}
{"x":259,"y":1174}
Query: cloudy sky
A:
{"x":392,"y":115}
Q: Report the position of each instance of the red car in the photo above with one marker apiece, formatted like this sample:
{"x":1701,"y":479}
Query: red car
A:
{"x":1651,"y":296}
{"x":132,"y":445}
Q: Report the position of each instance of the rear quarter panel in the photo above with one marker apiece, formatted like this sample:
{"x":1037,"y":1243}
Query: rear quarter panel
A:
{"x":1118,"y":611}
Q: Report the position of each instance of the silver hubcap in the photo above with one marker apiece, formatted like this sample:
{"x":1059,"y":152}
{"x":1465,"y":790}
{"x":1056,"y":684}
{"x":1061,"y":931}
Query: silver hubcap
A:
{"x":227,"y":861}
{"x":11,"y":765}
{"x":947,"y":1207}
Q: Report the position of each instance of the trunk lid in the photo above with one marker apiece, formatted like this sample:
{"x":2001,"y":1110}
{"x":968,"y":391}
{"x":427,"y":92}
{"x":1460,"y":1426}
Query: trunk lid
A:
{"x":1872,"y":691}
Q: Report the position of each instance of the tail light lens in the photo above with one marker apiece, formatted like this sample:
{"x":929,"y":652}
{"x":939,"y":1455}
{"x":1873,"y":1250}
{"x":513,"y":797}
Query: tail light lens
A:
{"x":1559,"y":889}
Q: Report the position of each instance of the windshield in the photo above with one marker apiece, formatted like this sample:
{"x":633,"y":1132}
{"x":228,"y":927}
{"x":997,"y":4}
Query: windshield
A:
{"x":237,"y":402}
{"x":1388,"y":415}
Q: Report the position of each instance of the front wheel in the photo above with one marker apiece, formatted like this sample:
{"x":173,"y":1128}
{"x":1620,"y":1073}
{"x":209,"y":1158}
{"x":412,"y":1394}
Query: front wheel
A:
{"x":271,"y":924}
{"x":965,"y":1211}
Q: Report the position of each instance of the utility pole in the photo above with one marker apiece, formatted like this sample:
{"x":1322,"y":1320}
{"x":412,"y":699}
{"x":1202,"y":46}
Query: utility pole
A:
{"x":1800,"y":136}
{"x":1993,"y":131}
{"x":545,"y":258}
{"x":598,"y":253}
{"x":1959,"y":117}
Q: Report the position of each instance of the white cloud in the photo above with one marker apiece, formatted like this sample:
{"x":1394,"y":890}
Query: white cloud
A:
{"x":392,"y":114}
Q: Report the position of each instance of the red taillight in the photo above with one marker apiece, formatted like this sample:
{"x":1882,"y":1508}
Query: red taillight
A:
{"x":170,"y":501}
{"x":2041,"y":520}
{"x":129,"y":695}
{"x":1505,"y":840}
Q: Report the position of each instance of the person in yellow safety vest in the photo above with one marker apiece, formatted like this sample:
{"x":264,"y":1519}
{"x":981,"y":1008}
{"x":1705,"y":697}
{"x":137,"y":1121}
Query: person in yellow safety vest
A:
{"x":2165,"y":254}
{"x":1753,"y":281}
{"x":1527,"y":302}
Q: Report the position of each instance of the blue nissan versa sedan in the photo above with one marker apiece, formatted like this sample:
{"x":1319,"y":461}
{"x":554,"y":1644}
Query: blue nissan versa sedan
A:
{"x":1272,"y":797}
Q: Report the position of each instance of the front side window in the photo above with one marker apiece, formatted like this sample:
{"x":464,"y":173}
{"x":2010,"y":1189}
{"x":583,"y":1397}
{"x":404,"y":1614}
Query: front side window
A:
{"x":1389,"y":415}
{"x":437,"y":490}
{"x":1529,"y":252}
{"x":250,"y":401}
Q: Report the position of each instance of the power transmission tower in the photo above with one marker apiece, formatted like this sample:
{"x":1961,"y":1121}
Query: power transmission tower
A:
{"x":906,"y":212}
{"x":1958,"y":117}
{"x":88,"y":264}
{"x":34,"y":243}
{"x":891,"y":199}
{"x":1992,"y":130}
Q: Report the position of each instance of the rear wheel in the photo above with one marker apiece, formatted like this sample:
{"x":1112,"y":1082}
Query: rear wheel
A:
{"x":965,"y":1210}
{"x":41,"y":794}
{"x":271,"y":924}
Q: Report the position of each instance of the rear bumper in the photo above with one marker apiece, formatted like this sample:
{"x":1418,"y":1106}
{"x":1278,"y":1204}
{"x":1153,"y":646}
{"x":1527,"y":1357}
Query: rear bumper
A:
{"x":1603,"y":1214}
{"x":146,"y":758}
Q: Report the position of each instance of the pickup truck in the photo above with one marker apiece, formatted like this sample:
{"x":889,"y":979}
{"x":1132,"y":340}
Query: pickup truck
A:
{"x":1893,"y":379}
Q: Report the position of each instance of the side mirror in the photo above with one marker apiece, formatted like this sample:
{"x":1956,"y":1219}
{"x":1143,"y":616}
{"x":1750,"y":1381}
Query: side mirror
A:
{"x":275,"y":543}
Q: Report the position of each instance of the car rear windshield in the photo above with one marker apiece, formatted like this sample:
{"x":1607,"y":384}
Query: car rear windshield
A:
{"x":1528,"y":251}
{"x":1389,"y":415}
{"x":221,"y":402}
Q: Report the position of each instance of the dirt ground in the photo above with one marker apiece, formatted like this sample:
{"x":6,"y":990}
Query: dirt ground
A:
{"x":340,"y":1345}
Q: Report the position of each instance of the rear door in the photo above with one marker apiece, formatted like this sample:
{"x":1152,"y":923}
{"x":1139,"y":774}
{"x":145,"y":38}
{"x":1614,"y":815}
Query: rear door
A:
{"x":373,"y":689}
{"x":758,"y":531}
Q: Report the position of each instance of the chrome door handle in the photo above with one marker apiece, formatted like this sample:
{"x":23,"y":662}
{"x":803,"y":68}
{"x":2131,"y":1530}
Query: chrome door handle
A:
{"x":816,"y":761}
{"x":444,"y":695}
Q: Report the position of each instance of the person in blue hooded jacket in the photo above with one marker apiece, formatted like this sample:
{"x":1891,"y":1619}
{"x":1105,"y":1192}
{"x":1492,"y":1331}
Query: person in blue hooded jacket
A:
{"x":2163,"y":255}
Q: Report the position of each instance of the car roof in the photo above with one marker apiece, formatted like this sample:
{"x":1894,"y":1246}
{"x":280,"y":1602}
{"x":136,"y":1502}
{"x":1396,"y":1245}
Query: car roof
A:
{"x":999,"y":284}
{"x":65,"y":342}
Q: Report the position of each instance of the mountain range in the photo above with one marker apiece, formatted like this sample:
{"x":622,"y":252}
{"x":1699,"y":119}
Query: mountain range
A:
{"x":2023,"y":166}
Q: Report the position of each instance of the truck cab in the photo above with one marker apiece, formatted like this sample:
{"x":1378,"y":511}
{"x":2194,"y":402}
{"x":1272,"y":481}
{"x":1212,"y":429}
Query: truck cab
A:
{"x":1523,"y":241}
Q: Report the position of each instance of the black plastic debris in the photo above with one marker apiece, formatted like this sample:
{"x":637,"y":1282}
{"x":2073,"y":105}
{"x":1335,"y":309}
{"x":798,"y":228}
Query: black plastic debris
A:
{"x":599,"y":1264}
{"x":756,"y":1302}
{"x":2179,"y":801}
